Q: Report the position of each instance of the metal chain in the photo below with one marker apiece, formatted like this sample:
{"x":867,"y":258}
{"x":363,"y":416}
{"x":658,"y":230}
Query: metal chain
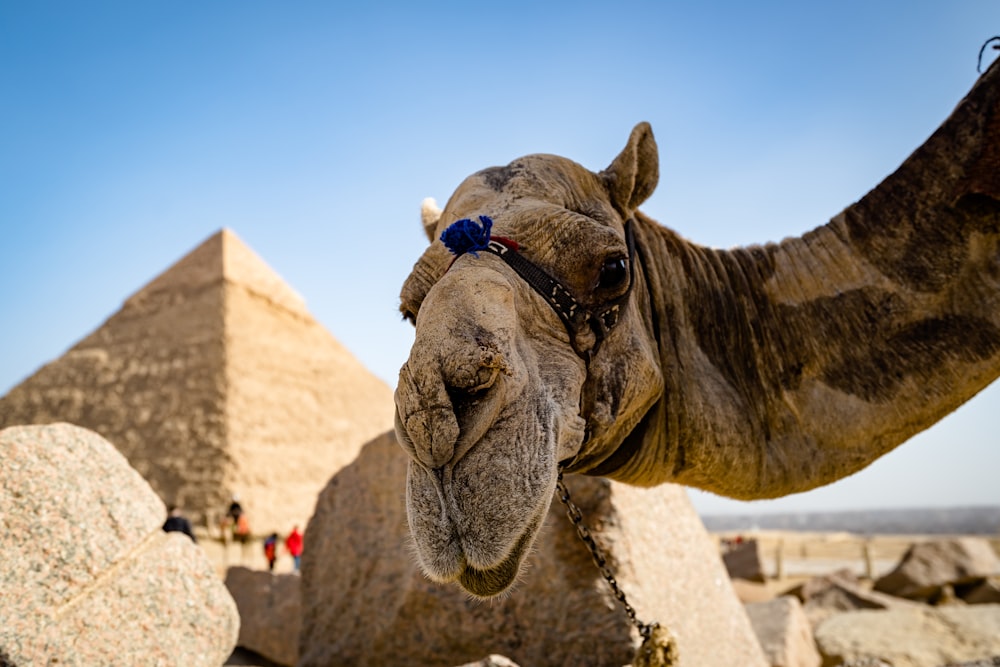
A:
{"x":576,"y":516}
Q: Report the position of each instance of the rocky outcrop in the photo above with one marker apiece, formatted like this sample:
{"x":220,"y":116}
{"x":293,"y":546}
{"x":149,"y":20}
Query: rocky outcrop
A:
{"x":214,"y":380}
{"x":838,"y":592}
{"x":916,"y":637}
{"x":926,"y":567}
{"x":270,"y":612}
{"x":88,"y":577}
{"x":784,"y":632}
{"x":816,"y":586}
{"x":365,"y":602}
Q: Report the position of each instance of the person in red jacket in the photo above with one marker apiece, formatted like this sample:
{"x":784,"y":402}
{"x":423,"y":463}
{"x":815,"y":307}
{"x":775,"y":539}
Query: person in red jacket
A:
{"x":294,"y":545}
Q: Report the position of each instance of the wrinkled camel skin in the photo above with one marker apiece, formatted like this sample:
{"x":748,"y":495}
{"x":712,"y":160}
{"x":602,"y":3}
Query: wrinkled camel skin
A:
{"x":753,"y":373}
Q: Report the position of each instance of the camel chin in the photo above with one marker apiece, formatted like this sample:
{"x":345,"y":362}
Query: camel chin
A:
{"x":472,"y":524}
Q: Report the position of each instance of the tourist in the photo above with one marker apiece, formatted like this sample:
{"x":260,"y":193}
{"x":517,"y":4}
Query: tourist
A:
{"x":235,"y":510}
{"x":238,"y":522}
{"x":271,"y":550}
{"x":294,"y":545}
{"x":176,"y":522}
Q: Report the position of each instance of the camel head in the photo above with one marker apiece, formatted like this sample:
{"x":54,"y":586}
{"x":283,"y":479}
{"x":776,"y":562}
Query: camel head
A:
{"x":525,"y":362}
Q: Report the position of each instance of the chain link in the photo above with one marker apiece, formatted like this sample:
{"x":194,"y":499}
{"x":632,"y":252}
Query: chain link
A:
{"x":576,"y":516}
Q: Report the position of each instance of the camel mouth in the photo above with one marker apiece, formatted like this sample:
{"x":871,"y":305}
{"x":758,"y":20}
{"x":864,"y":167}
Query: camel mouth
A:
{"x":483,"y":557}
{"x":493,"y":581}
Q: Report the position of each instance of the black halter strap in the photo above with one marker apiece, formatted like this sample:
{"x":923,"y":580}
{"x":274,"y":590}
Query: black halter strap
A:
{"x":569,"y":310}
{"x":468,"y":236}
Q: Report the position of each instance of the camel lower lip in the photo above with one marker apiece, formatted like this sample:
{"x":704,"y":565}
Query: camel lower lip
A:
{"x":493,"y":581}
{"x":488,"y":583}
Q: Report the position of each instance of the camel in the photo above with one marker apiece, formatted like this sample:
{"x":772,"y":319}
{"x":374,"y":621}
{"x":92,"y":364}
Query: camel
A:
{"x":562,"y":329}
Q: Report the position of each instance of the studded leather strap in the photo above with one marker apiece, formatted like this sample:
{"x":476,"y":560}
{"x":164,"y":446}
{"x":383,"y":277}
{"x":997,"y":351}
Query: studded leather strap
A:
{"x":569,"y":310}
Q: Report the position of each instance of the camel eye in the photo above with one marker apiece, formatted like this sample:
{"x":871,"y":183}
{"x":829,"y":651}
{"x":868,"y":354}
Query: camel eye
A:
{"x":613,"y":273}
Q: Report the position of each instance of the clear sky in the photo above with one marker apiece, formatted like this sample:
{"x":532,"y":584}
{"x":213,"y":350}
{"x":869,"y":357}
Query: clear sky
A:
{"x":132,"y":131}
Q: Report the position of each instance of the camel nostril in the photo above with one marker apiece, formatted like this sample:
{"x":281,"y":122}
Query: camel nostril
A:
{"x":457,"y":396}
{"x":473,"y":385}
{"x":473,"y":370}
{"x":480,"y":383}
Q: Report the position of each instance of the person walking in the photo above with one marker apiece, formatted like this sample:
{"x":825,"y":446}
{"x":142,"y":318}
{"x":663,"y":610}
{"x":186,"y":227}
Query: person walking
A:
{"x":294,"y":545}
{"x":271,"y":550}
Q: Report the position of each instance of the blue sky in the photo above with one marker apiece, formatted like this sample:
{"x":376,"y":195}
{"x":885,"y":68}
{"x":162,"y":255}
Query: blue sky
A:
{"x":130,"y":132}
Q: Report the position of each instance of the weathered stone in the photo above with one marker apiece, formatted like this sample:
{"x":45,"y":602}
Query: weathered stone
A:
{"x":987,"y":662}
{"x":87,"y":575}
{"x":818,"y":585}
{"x":215,"y":380}
{"x":920,"y":636}
{"x":928,"y":566}
{"x":270,"y":612}
{"x":365,"y":602}
{"x":784,"y":632}
{"x":743,"y":561}
{"x":985,"y":591}
{"x":838,"y":592}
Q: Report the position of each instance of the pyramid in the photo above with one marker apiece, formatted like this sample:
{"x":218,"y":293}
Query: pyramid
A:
{"x":214,"y":380}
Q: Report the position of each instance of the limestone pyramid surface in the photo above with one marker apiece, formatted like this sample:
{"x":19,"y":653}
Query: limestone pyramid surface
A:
{"x":214,"y":380}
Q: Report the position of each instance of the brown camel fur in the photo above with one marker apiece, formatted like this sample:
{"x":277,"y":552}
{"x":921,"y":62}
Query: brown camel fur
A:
{"x":753,"y":373}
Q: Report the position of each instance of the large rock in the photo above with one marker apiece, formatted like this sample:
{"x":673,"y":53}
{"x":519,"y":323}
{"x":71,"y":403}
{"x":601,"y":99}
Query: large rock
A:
{"x":816,"y":586}
{"x":928,"y":566}
{"x":270,"y":612}
{"x":784,"y":632}
{"x":915,"y":637}
{"x":88,"y":577}
{"x":838,"y":592}
{"x":365,"y":602}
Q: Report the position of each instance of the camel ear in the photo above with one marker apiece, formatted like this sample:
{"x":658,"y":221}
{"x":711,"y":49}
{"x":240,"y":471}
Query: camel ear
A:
{"x":429,"y":216}
{"x":633,"y":175}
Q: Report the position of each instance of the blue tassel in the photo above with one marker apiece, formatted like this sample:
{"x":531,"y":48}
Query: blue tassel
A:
{"x":466,"y":235}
